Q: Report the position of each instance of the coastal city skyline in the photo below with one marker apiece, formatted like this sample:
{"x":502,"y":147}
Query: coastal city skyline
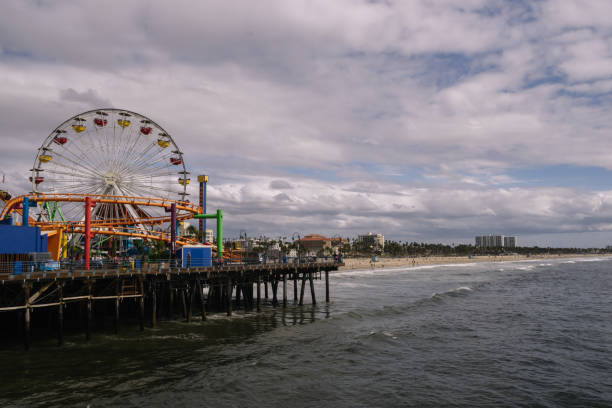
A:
{"x":345,"y":117}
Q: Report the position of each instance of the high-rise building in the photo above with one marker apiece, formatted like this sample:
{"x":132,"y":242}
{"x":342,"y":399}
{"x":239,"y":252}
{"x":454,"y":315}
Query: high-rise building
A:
{"x":510,"y":242}
{"x":495,"y":241}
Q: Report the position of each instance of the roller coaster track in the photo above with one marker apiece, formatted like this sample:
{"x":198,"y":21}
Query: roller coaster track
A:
{"x":101,"y":199}
{"x":184,"y":209}
{"x":135,"y":233}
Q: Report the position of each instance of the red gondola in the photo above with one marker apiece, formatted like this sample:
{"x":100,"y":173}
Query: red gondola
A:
{"x":176,"y":161}
{"x":60,"y":140}
{"x":145,"y":130}
{"x":37,"y":179}
{"x":100,"y":122}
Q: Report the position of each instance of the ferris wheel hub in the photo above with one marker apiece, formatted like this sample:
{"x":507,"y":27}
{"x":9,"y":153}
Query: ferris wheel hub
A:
{"x":110,"y":179}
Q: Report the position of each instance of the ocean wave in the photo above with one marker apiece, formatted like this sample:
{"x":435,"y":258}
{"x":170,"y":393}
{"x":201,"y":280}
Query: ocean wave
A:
{"x":389,"y":270}
{"x":453,"y":292}
{"x":382,"y":334}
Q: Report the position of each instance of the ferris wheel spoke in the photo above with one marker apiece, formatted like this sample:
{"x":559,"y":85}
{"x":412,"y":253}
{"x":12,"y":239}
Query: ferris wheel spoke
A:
{"x":62,"y":173}
{"x":157,"y":175}
{"x":120,"y":137}
{"x":132,"y":152}
{"x":85,"y":157}
{"x":153,"y":150}
{"x":74,"y":169}
{"x":161,"y":164}
{"x":80,"y":166}
{"x":75,"y":149}
{"x":145,"y":161}
{"x":61,"y":180}
{"x":135,"y":191}
{"x":154,"y":174}
{"x":101,"y":139}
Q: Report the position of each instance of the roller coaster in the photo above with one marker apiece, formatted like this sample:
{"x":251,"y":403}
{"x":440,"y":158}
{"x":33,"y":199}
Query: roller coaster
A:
{"x":96,"y":172}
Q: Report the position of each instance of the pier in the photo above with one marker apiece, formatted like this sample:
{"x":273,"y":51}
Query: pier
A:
{"x":48,"y":302}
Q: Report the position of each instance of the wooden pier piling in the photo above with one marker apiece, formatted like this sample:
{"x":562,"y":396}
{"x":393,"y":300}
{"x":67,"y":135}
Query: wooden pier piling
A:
{"x":89,"y":311}
{"x":259,"y":292}
{"x":141,"y":304}
{"x":153,"y":304}
{"x":295,"y":285}
{"x":284,"y":290}
{"x":26,"y":325}
{"x":312,"y":290}
{"x":202,"y":302}
{"x":302,"y":289}
{"x":326,"y":286}
{"x":229,"y":296}
{"x":60,"y":314}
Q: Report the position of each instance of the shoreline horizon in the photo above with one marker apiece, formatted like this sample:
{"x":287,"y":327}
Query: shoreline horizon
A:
{"x":362,"y":263}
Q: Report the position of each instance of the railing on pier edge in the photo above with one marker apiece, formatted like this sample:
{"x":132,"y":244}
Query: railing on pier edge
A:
{"x":19,"y":270}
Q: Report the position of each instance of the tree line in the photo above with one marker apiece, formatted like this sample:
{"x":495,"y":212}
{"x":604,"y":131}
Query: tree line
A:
{"x":412,"y":249}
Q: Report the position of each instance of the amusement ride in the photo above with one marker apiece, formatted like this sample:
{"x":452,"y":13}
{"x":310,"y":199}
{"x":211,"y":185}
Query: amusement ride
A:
{"x":106,"y":173}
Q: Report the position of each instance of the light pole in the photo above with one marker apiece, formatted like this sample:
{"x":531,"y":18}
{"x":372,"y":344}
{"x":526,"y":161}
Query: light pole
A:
{"x":298,"y":243}
{"x":203,"y":180}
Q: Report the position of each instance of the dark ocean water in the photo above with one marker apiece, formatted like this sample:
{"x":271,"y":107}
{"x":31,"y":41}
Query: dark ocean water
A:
{"x":536,"y":333}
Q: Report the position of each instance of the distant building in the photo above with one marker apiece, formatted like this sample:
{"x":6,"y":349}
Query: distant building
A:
{"x":339,"y":242}
{"x":274,"y":251}
{"x":376,"y":240}
{"x":510,"y":242}
{"x":208,"y":236}
{"x":495,"y":241}
{"x":314,"y":243}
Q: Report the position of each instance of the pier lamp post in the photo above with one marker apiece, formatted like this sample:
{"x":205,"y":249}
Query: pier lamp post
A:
{"x":203,"y":180}
{"x":298,"y":243}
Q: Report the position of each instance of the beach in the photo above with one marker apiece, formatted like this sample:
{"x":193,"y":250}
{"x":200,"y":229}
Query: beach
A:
{"x":383,"y":262}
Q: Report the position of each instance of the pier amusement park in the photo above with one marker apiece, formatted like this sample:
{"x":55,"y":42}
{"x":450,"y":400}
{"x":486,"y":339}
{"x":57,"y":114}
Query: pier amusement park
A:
{"x":98,"y":239}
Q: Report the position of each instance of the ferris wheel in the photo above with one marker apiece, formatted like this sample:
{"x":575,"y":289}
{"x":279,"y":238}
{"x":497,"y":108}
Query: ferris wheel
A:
{"x":110,"y":152}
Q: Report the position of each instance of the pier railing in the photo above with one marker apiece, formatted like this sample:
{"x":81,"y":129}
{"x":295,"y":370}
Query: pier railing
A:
{"x":17,"y":270}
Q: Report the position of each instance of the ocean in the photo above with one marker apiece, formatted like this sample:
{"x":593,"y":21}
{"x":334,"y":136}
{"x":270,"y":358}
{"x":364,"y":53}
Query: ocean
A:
{"x":530,"y":333}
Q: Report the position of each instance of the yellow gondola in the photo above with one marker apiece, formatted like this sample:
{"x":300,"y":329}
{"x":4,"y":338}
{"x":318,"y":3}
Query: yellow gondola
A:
{"x":184,"y":182}
{"x":123,"y":123}
{"x":163,"y":143}
{"x":78,"y":128}
{"x":45,"y":158}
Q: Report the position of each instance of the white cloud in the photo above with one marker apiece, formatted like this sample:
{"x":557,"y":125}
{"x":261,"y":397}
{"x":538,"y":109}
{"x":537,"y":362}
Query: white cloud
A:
{"x":335,"y":99}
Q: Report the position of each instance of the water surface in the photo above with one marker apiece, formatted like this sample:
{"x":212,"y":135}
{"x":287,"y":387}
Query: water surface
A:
{"x":529,"y":333}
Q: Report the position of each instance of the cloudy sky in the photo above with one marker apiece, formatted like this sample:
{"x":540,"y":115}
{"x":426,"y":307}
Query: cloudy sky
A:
{"x":423,"y":120}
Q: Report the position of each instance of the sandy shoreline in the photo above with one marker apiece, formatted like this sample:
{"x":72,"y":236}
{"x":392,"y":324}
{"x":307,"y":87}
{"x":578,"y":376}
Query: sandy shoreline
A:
{"x":365,"y":263}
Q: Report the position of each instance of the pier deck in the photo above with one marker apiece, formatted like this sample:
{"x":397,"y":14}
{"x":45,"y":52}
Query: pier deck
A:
{"x":78,"y":297}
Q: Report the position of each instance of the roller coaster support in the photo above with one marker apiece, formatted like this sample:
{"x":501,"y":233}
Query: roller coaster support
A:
{"x":219,"y":217}
{"x":26,"y":212}
{"x":203,"y":179}
{"x":88,"y":204}
{"x":173,"y":227}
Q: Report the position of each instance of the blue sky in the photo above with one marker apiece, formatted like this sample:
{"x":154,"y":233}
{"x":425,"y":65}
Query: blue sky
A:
{"x":421,"y":120}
